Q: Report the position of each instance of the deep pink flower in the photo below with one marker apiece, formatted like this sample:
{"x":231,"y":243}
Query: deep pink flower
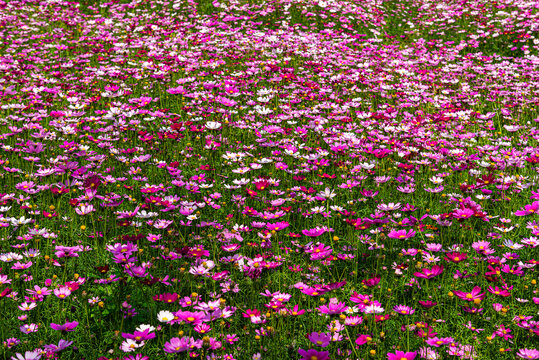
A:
{"x":463,"y":214}
{"x":401,"y":355}
{"x":296,"y":311}
{"x":313,"y":354}
{"x":363,"y":339}
{"x":500,"y":292}
{"x":320,"y":339}
{"x":456,"y":257}
{"x":313,"y":232}
{"x":68,"y":326}
{"x":470,"y":296}
{"x":430,"y":273}
{"x":333,"y":308}
{"x":140,"y":335}
{"x":427,"y":304}
{"x":401,"y":234}
{"x":437,"y":342}
{"x":176,"y":345}
{"x":372,"y":281}
{"x":277,"y":226}
{"x":528,"y":209}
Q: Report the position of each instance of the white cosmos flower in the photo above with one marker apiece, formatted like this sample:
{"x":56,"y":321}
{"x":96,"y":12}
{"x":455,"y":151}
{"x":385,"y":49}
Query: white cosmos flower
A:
{"x":213,"y":125}
{"x":165,"y":316}
{"x":143,"y":327}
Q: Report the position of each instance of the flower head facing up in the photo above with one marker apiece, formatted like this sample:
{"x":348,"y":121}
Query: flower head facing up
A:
{"x":474,"y":295}
{"x":401,"y":355}
{"x":313,"y":354}
{"x":319,"y":339}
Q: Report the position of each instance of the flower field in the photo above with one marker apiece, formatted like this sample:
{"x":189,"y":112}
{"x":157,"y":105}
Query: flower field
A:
{"x":273,"y":179}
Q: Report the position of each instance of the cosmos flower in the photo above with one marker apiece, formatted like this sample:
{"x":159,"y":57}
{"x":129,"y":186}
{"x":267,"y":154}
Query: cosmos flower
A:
{"x":313,"y":354}
{"x":528,"y":354}
{"x":528,"y":209}
{"x":68,"y":326}
{"x":177,"y":345}
{"x":333,"y":308}
{"x":401,"y":355}
{"x":470,"y":296}
{"x":430,"y":273}
{"x":403,"y":310}
{"x":363,"y":339}
{"x":401,"y":234}
{"x":29,"y":355}
{"x":319,"y":339}
{"x":213,"y":125}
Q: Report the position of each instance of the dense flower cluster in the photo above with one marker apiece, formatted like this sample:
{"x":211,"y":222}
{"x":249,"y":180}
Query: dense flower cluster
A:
{"x":269,"y":180}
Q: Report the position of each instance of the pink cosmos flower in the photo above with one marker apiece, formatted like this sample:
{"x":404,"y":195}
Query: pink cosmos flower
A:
{"x":456,"y":257}
{"x":363,"y":339}
{"x":401,"y":355}
{"x":427,"y":304}
{"x":29,"y":355}
{"x":401,"y":234}
{"x":189,"y":317}
{"x":528,"y":209}
{"x":313,"y":232}
{"x":500,"y":292}
{"x":470,"y":296}
{"x":278,"y":226}
{"x":68,"y":326}
{"x":21,"y":266}
{"x":320,"y":339}
{"x":296,"y":311}
{"x":430,"y":273}
{"x":84,"y":209}
{"x":29,"y":328}
{"x":333,"y":308}
{"x":313,"y":354}
{"x":176,"y":345}
{"x":372,"y":281}
{"x":403,"y":310}
{"x":528,"y":354}
{"x":62,"y":292}
{"x":463,"y":214}
{"x":437,"y":342}
{"x":320,"y":251}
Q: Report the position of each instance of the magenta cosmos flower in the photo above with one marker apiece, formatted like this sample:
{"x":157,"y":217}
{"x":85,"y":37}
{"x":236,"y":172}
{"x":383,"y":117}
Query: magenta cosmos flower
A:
{"x":176,"y":345}
{"x":68,"y":326}
{"x":313,"y":354}
{"x":401,"y":234}
{"x":528,"y":354}
{"x":277,"y":226}
{"x":333,"y":308}
{"x":430,"y":273}
{"x":528,"y":209}
{"x":401,"y":355}
{"x":313,"y":232}
{"x":320,"y":339}
{"x":470,"y":296}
